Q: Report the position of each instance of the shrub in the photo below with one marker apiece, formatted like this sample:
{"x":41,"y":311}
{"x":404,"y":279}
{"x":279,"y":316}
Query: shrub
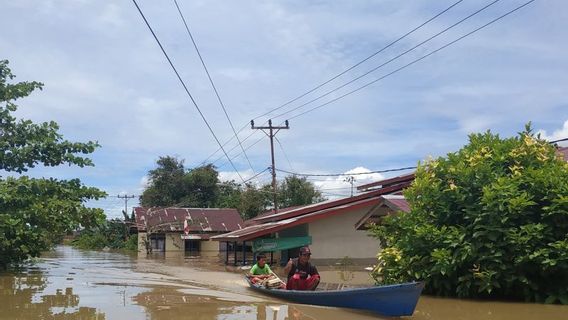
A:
{"x":490,"y":220}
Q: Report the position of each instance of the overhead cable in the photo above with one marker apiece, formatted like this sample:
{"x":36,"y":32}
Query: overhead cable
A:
{"x":185,"y":87}
{"x":362,"y":61}
{"x":343,"y":72}
{"x":212,"y":83}
{"x":414,"y":61}
{"x":388,"y":61}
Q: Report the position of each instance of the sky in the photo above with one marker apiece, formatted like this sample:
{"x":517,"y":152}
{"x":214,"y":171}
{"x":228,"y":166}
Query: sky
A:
{"x":106,"y":80}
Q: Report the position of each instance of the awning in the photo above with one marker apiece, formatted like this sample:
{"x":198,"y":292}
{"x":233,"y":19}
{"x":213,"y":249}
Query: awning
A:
{"x":277,"y":244}
{"x":195,"y":236}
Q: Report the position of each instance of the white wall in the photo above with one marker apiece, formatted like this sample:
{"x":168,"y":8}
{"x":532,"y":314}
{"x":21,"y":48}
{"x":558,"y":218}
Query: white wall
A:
{"x":335,"y":237}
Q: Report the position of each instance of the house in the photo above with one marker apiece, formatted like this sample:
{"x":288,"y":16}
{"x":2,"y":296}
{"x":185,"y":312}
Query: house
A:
{"x":334,"y":229}
{"x":563,"y":152}
{"x":182,"y":230}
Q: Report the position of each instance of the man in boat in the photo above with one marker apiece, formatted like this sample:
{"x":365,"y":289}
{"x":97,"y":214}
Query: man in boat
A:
{"x":260,"y":270}
{"x":302,"y":275}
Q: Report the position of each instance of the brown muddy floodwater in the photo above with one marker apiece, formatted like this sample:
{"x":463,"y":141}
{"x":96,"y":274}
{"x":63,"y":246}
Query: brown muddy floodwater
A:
{"x":74,"y":284}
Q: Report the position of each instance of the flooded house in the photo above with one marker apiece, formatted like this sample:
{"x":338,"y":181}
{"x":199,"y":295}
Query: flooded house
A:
{"x":334,"y":229}
{"x":184,"y":230}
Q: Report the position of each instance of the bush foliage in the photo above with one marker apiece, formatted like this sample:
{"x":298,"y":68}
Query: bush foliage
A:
{"x":488,"y":221}
{"x":112,"y":234}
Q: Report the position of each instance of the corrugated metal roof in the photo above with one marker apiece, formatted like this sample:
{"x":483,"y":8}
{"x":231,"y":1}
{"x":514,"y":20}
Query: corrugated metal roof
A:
{"x":255,"y":231}
{"x":397,"y":202}
{"x":199,"y":219}
{"x":388,"y":182}
{"x":281,"y":215}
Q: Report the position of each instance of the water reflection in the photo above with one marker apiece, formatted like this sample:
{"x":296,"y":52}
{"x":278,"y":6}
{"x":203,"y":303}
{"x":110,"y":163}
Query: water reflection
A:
{"x":73,"y":284}
{"x":164,"y":303}
{"x":23,"y":296}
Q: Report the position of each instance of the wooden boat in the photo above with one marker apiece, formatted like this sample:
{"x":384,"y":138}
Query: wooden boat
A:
{"x":392,"y":300}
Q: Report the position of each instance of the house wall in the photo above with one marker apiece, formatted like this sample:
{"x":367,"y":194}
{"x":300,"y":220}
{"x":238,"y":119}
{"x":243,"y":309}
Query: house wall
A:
{"x":174,"y":242}
{"x":335,"y":237}
{"x":141,"y":239}
{"x":209,"y":248}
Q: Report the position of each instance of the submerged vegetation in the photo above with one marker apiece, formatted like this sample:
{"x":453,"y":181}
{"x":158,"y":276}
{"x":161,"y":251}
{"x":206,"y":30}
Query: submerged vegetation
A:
{"x":488,"y":221}
{"x":112,"y":234}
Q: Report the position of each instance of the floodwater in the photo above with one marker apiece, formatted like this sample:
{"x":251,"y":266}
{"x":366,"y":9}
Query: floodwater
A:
{"x":74,"y":284}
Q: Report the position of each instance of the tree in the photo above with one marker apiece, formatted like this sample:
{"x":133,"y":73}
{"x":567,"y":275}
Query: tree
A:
{"x":490,"y":220}
{"x":36,"y":212}
{"x":296,"y":191}
{"x":201,"y":187}
{"x":170,"y":184}
{"x":254,"y":201}
{"x":166,"y":183}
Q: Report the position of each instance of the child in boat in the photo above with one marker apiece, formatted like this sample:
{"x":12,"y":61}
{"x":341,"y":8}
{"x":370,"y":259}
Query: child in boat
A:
{"x":260,"y":270}
{"x":302,"y":275}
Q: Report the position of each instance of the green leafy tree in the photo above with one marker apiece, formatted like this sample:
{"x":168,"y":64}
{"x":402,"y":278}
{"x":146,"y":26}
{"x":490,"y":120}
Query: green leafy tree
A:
{"x":490,"y":220}
{"x":296,"y":191}
{"x":229,"y":195}
{"x":201,"y":187}
{"x":166,"y":185}
{"x":254,"y":201}
{"x":36,"y":212}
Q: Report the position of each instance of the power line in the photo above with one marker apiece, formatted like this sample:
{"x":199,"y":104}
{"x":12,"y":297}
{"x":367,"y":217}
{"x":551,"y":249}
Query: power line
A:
{"x":362,"y":61}
{"x":389,"y":61}
{"x":414,"y":61}
{"x":284,"y":152}
{"x":185,"y":87}
{"x":212,"y":83}
{"x":238,"y":154}
{"x":343,"y":72}
{"x":344,"y":174}
{"x":559,"y":140}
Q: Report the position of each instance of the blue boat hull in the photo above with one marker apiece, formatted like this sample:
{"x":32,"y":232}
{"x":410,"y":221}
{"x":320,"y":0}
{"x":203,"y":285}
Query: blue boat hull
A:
{"x":392,"y":300}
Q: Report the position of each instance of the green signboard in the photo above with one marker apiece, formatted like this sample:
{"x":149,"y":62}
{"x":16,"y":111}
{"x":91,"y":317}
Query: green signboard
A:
{"x":277,"y":244}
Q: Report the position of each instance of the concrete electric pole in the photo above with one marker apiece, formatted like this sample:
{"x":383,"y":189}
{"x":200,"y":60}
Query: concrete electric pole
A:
{"x":126,"y":197}
{"x":272,"y":131}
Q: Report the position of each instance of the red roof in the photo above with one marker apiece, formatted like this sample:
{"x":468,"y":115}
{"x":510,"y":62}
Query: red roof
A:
{"x":286,"y":214}
{"x":254,"y":221}
{"x":259,"y":230}
{"x":199,"y":219}
{"x":388,"y":182}
{"x":396,"y":203}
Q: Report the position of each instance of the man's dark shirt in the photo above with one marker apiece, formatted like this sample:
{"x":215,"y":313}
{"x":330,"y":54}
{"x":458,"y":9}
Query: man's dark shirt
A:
{"x":304,"y":270}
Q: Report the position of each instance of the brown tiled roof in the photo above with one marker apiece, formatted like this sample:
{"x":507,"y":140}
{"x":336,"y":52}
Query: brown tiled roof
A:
{"x":199,"y":219}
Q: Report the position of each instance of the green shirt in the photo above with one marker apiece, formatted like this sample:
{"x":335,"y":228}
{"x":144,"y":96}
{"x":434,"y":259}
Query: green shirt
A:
{"x":256,"y":270}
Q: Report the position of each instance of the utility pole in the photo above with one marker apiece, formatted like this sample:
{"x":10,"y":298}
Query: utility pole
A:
{"x":272,"y":131}
{"x":351,"y":180}
{"x":126,"y":197}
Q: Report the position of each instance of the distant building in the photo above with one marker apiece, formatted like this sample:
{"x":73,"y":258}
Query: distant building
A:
{"x":184,"y":229}
{"x":333,"y":229}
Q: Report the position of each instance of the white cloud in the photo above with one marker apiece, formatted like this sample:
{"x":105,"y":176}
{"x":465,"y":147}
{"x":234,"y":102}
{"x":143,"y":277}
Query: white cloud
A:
{"x":556,"y":134}
{"x":106,"y":80}
{"x":338,"y":187}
